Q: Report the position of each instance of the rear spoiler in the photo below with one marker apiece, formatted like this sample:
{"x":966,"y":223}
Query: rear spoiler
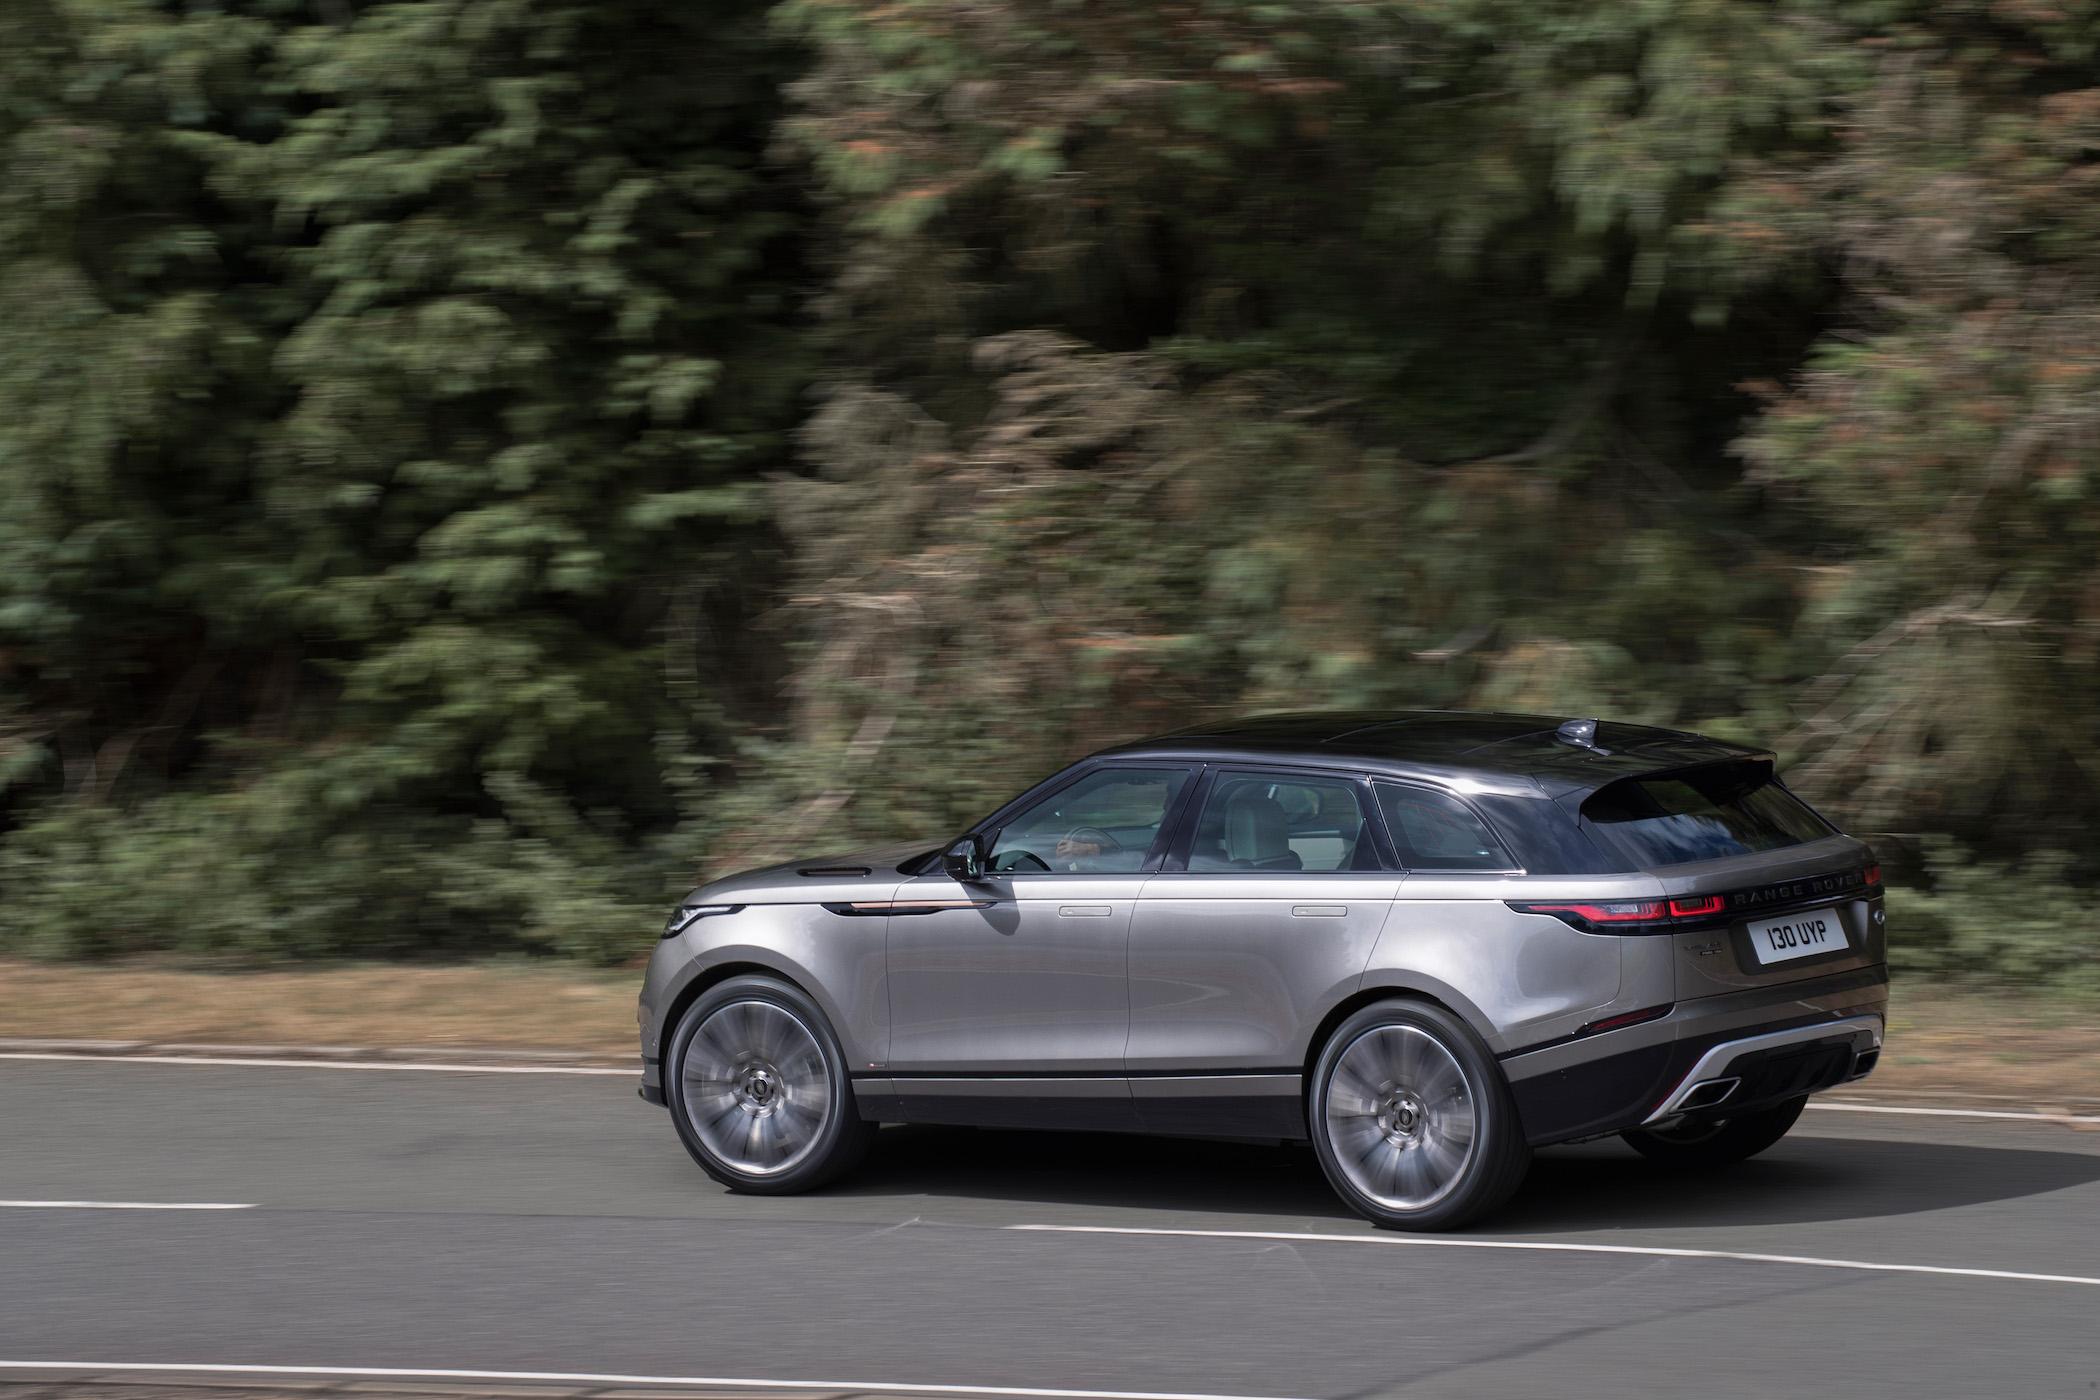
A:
{"x":1759,"y":768}
{"x":1592,"y":768}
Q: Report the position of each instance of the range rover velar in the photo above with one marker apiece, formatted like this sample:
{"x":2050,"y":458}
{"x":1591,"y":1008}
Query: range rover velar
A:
{"x":1425,"y":942}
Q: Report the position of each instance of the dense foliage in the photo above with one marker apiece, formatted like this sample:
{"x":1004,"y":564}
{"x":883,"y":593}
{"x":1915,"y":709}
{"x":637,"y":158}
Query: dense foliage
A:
{"x":469,"y":464}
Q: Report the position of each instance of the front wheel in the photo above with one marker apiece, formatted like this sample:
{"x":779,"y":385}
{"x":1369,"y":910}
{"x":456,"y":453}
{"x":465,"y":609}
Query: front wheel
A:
{"x":757,"y":1088}
{"x":1715,"y":1142}
{"x":1412,"y":1120}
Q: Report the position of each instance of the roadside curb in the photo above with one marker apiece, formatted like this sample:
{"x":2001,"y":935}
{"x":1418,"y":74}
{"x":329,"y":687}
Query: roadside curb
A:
{"x":424,"y":1054}
{"x":178,"y":1385}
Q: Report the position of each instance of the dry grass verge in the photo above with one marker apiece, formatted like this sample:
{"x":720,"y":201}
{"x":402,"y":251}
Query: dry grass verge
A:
{"x":498,"y":1005}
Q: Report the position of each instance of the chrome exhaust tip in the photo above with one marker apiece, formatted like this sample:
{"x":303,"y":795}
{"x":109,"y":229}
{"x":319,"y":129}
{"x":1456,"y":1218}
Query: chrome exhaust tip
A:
{"x":1708,"y":1094}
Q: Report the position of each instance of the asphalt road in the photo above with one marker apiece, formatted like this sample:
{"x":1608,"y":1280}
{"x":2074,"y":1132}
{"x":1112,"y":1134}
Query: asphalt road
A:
{"x":542,"y":1224}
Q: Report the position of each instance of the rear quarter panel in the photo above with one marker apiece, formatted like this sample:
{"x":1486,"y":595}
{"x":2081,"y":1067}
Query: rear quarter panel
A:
{"x":1519,"y":978}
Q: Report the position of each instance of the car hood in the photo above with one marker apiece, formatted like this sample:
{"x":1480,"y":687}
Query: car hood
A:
{"x":864,"y":874}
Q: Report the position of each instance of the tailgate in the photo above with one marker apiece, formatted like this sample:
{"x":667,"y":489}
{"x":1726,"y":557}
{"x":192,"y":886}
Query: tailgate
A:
{"x":1786,"y":917}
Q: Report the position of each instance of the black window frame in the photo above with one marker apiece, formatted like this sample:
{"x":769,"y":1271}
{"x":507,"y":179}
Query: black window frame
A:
{"x":1191,"y":816}
{"x":1393,"y":842}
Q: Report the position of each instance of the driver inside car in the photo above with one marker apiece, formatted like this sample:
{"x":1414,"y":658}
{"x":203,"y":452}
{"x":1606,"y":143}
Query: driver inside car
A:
{"x":1077,"y":846}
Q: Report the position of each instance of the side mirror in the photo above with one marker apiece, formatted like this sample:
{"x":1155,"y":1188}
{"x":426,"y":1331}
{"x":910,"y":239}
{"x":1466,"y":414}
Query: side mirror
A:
{"x":965,"y":860}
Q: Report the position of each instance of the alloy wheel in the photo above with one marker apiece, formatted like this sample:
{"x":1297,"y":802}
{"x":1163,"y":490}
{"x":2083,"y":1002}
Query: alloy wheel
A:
{"x":757,"y":1092}
{"x":1401,"y":1117}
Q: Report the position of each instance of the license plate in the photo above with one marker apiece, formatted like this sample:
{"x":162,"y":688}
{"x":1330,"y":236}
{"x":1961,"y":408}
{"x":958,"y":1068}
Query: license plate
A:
{"x":1798,"y":936}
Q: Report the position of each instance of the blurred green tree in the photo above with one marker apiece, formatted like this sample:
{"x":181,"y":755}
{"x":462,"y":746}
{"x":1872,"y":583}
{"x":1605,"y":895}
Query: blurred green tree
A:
{"x":1566,"y":356}
{"x":383,"y":384}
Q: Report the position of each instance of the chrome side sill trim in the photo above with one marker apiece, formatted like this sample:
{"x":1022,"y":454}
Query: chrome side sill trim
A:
{"x":1016,"y":1087}
{"x":1713,"y":1061}
{"x":1216,"y":1086}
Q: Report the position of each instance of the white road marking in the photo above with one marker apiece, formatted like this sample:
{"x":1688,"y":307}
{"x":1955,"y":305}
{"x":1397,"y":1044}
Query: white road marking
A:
{"x":1647,"y":1251}
{"x":1955,"y":1112}
{"x":632,"y":1073}
{"x":124,"y":1205}
{"x":599,"y":1379}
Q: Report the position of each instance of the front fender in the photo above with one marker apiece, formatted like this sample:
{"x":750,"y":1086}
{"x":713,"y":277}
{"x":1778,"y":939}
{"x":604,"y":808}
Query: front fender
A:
{"x":836,"y":959}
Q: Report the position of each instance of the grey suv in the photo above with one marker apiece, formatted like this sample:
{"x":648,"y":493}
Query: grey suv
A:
{"x":1427,"y":942}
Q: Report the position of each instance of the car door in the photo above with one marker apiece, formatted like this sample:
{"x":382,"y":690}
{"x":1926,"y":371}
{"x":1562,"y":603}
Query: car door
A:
{"x":1265,"y":914}
{"x":1023,"y":974}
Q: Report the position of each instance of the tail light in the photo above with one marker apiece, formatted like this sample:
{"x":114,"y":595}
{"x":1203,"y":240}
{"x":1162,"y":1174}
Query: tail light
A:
{"x":1873,"y":876}
{"x":1631,"y":915}
{"x":1636,"y":911}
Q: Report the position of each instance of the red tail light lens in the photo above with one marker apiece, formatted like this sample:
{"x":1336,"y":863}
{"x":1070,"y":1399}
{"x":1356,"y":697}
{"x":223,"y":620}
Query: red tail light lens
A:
{"x":1639,"y":911}
{"x":1873,"y":877}
{"x":1632,"y":915}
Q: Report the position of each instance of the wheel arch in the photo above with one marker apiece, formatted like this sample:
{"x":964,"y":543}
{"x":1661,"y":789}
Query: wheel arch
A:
{"x":714,"y":975}
{"x":1393,"y":989}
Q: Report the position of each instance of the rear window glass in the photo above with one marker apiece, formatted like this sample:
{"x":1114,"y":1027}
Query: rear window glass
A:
{"x":1274,"y":823}
{"x":1727,"y":809}
{"x":1437,"y":832}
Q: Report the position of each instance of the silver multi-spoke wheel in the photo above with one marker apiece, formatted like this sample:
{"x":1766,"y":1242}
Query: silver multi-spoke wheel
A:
{"x":756,"y":1089}
{"x":1401,"y":1117}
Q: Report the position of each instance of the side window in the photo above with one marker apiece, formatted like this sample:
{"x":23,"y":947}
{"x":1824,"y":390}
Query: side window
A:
{"x":1435,"y":831}
{"x":1105,"y":822}
{"x":1251,"y":822}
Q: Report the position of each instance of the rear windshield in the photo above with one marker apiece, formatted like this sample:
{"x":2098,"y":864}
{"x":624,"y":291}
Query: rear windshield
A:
{"x":1724,"y":809}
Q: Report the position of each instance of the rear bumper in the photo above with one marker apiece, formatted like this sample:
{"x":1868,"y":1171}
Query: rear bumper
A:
{"x":1759,"y":1070}
{"x":1775,"y":1045}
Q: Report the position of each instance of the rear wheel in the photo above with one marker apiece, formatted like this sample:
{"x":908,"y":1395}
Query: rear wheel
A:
{"x":757,"y":1088}
{"x":1412,"y":1121}
{"x":1716,"y":1142}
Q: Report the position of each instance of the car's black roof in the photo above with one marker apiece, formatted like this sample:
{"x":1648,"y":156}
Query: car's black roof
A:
{"x":1445,"y":743}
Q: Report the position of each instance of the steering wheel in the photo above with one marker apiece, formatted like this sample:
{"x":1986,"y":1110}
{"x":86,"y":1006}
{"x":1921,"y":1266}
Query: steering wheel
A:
{"x":1016,"y":856}
{"x":1093,"y":835}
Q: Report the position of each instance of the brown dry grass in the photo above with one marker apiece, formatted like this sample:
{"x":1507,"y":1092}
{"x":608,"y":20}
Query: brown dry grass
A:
{"x":1940,"y":1042}
{"x":361,"y":1005}
{"x":2040,"y":1050}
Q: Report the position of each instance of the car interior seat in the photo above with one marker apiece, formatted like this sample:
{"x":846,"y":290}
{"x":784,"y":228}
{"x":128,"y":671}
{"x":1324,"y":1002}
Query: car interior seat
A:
{"x":1258,"y":834}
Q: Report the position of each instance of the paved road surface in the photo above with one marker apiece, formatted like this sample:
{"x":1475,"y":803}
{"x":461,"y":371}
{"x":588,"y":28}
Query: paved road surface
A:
{"x":530,"y":1223}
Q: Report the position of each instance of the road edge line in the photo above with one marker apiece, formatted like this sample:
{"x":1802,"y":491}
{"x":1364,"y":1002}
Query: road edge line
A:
{"x":593,"y":1378}
{"x":1567,"y":1247}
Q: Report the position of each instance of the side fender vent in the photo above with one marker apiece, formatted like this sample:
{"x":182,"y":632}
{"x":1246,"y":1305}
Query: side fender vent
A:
{"x":816,"y":872}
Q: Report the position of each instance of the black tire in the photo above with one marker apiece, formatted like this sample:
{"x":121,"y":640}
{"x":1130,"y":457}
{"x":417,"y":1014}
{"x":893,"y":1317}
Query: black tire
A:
{"x":1495,"y":1156}
{"x":810,"y":1084}
{"x":1716,"y":1142}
